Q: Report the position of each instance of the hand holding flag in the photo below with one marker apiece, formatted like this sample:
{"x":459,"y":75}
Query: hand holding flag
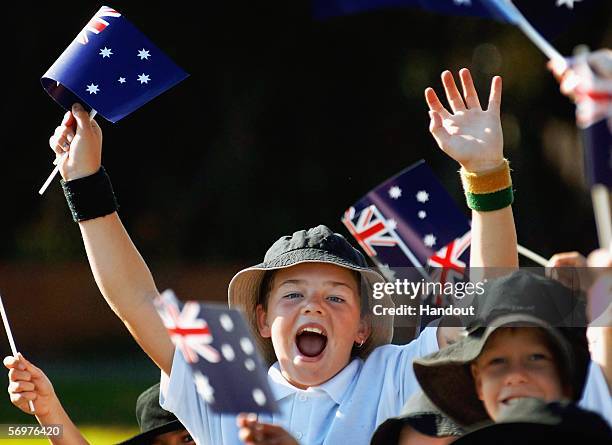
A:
{"x":587,"y":80}
{"x":112,"y":69}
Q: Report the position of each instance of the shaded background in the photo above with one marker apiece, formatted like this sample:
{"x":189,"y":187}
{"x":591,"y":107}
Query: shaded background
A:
{"x":283,"y":124}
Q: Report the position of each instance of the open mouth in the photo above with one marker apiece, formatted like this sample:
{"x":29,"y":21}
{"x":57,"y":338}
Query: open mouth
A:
{"x":510,"y":401}
{"x":311,"y":341}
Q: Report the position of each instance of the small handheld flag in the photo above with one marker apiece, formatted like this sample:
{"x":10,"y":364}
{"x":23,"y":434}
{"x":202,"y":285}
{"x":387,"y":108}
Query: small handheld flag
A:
{"x":227,"y":370}
{"x":110,"y":67}
{"x":9,"y":334}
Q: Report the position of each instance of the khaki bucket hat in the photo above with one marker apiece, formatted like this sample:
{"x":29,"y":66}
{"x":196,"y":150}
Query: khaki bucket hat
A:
{"x":521,"y":299}
{"x":317,"y":245}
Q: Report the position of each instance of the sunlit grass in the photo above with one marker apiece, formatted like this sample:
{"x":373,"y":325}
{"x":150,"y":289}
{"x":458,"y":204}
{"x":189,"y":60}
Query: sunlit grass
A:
{"x":95,"y":434}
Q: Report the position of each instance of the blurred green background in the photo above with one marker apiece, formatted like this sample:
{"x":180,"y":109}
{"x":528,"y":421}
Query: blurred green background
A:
{"x":283,"y":124}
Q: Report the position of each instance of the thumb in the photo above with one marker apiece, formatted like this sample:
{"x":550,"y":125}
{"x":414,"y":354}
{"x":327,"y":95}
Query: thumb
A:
{"x":82,"y":118}
{"x":436,"y":128}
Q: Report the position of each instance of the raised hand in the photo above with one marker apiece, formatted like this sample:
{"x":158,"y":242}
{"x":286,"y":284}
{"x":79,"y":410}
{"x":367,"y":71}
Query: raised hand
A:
{"x":81,"y":138}
{"x":28,"y":383}
{"x":467,"y":134}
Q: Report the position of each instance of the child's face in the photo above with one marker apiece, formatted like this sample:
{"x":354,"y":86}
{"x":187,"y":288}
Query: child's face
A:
{"x":515,"y":363}
{"x":322,"y":299}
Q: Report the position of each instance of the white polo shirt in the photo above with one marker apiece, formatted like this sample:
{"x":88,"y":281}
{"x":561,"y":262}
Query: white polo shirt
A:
{"x":345,"y":409}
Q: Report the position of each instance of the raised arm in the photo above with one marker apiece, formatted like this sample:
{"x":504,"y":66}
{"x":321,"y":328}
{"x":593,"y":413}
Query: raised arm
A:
{"x":28,"y":383}
{"x":473,"y":137}
{"x":120,"y":272}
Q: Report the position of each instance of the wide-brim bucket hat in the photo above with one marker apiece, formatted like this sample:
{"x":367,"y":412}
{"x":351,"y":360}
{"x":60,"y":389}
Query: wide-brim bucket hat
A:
{"x":519,"y":299}
{"x":152,"y":419}
{"x":446,"y":376}
{"x":317,"y":245}
{"x":421,"y":415}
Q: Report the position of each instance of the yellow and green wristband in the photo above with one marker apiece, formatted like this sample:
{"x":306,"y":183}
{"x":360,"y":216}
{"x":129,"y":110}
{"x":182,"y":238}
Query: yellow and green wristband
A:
{"x":489,"y":190}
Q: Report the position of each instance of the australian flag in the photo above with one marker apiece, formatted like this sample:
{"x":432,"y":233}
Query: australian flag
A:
{"x":594,"y":118}
{"x":550,"y":17}
{"x":110,"y":67}
{"x":227,"y":370}
{"x":411,"y":229}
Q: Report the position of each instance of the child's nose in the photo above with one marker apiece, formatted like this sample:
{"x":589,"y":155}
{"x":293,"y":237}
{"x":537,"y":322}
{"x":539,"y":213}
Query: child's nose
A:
{"x":516,"y":375}
{"x":312,"y":306}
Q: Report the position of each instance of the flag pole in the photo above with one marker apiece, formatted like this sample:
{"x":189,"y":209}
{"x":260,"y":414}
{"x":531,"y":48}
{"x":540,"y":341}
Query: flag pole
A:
{"x":532,"y":255}
{"x":531,"y":32}
{"x":600,"y":196}
{"x":9,"y":334}
{"x":59,"y":162}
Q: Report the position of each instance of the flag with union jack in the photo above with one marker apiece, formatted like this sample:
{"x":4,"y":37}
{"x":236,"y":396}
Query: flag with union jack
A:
{"x":110,"y":67}
{"x":214,"y":340}
{"x":411,"y":228}
{"x":594,"y":117}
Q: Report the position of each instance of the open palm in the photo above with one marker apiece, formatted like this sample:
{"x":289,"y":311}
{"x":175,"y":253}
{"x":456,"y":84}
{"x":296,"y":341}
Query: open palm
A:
{"x":468,"y":134}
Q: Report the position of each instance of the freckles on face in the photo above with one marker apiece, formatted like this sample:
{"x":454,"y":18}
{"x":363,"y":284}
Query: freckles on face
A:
{"x":313,"y":318}
{"x":515,"y":363}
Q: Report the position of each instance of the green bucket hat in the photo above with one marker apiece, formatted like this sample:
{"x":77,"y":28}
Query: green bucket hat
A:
{"x":420,"y":414}
{"x":520,"y":299}
{"x":533,"y":421}
{"x":317,"y":245}
{"x":152,"y":419}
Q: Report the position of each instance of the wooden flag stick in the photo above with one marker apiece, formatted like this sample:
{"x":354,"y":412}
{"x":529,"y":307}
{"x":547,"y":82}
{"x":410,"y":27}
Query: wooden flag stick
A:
{"x":59,"y":162}
{"x":9,"y":334}
{"x":603,"y":216}
{"x":532,"y":256}
{"x":532,"y":34}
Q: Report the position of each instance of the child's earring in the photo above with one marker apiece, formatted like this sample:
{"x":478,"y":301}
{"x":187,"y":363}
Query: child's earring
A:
{"x":361,"y":344}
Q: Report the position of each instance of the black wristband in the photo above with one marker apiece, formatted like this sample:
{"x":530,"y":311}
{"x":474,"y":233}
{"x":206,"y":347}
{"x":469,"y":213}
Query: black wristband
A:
{"x":90,"y":197}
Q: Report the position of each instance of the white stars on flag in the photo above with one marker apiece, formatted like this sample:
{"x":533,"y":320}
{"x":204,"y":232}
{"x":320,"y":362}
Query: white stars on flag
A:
{"x":429,"y":240}
{"x":121,"y":80}
{"x":387,"y":272}
{"x":228,"y":352}
{"x":422,"y":196}
{"x":226,"y":322}
{"x":249,"y":364}
{"x":143,"y":78}
{"x":246,"y":346}
{"x":203,"y":387}
{"x":92,"y":89}
{"x":144,"y":54}
{"x":392,"y":224}
{"x":422,"y":214}
{"x":463,"y":2}
{"x":568,"y":3}
{"x":259,"y":397}
{"x":106,"y":52}
{"x":395,"y":192}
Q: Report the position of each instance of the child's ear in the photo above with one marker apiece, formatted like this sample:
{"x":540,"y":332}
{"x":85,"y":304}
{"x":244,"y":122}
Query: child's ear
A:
{"x":262,"y":322}
{"x":477,"y":379}
{"x":364,"y":331}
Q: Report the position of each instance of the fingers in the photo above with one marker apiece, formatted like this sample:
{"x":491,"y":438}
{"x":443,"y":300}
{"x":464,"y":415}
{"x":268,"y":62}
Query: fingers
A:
{"x":16,"y":375}
{"x":11,"y":362}
{"x":573,"y":259}
{"x":437,"y":129}
{"x":452,"y":93}
{"x":469,"y":92}
{"x":81,"y":116}
{"x":61,"y":139}
{"x":20,"y":386}
{"x":434,"y":103}
{"x":495,"y":95}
